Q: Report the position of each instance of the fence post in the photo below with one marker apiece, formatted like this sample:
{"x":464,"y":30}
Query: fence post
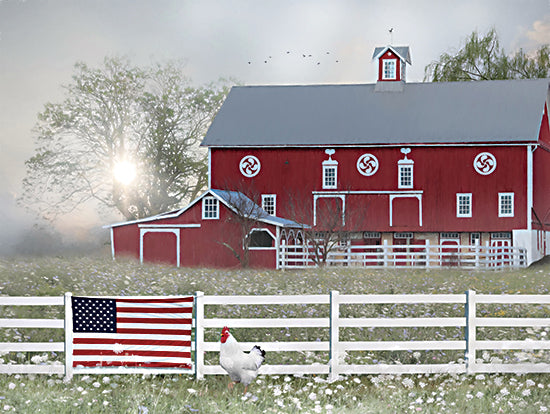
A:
{"x":334,"y":335}
{"x":199,"y":335}
{"x":427,"y":248}
{"x":470,"y":331}
{"x":68,"y":337}
{"x":385,"y":250}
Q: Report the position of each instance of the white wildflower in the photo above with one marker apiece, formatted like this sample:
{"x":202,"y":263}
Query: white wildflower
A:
{"x":106,"y":380}
{"x":328,"y":391}
{"x":408,"y":383}
{"x":312,"y":396}
{"x":543,"y":409}
{"x":191,"y":391}
{"x":11,"y":386}
{"x":529,"y":383}
{"x":96,"y":384}
{"x":277,"y":391}
{"x":526,"y":393}
{"x":329,"y":407}
{"x":357,"y":380}
{"x":480,"y":394}
{"x":504,"y":391}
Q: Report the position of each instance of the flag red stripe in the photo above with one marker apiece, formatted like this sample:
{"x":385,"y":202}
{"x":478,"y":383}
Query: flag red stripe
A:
{"x":131,"y":364}
{"x":154,"y":321}
{"x":154,"y":331}
{"x":130,"y":341}
{"x":167,"y":300}
{"x":155,"y":310}
{"x":173,"y":354}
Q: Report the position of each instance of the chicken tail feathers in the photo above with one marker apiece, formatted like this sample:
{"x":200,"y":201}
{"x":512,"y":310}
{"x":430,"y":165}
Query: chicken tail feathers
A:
{"x":258,"y":355}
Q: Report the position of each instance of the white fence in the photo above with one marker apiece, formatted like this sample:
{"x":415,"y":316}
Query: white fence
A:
{"x":473,"y":317}
{"x":405,"y":256}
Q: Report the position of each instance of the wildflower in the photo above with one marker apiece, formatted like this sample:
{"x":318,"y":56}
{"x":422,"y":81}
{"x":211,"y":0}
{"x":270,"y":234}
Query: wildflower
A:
{"x":191,"y":391}
{"x":479,"y":394}
{"x":408,"y":383}
{"x":11,"y":386}
{"x":504,"y":391}
{"x":328,"y":391}
{"x":96,"y":384}
{"x":357,"y":380}
{"x":529,"y":383}
{"x":526,"y":393}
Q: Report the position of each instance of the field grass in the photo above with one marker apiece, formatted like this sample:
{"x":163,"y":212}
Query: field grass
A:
{"x":308,"y":394}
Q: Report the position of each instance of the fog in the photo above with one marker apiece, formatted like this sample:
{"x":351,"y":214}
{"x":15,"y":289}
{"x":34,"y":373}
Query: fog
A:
{"x":253,"y":42}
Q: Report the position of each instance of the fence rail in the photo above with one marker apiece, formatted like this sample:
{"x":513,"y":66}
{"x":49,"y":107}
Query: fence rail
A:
{"x":404,"y":256}
{"x":338,"y":313}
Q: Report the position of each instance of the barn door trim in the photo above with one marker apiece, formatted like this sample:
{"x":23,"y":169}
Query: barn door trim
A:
{"x":417,"y":196}
{"x":144,"y":231}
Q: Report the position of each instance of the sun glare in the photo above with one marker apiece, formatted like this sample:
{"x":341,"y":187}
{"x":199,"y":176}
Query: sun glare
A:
{"x":124,"y":172}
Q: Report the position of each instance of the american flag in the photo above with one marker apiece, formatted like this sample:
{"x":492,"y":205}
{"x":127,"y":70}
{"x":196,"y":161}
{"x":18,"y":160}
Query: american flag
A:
{"x":153,"y":333}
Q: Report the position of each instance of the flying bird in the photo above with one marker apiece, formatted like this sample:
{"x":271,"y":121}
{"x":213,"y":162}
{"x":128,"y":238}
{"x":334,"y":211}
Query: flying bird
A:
{"x":242,"y":367}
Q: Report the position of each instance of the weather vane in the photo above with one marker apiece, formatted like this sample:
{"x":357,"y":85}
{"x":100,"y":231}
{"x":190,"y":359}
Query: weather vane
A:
{"x":391,"y":35}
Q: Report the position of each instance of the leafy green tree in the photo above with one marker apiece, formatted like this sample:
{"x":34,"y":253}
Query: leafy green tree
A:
{"x":126,"y":137}
{"x":482,"y":58}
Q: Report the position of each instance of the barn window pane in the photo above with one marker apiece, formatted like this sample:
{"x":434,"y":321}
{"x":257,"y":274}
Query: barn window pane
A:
{"x":261,"y":238}
{"x":269,"y":203}
{"x":389,"y":71}
{"x":210,"y":208}
{"x":405,"y":176}
{"x":464,"y":205}
{"x":506,"y":204}
{"x":330,"y":176}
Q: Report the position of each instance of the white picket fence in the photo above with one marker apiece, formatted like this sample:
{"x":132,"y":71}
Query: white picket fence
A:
{"x":404,"y":256}
{"x":467,"y":344}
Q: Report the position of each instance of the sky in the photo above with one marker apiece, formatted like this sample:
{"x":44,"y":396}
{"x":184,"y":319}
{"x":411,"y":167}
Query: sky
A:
{"x":249,"y":41}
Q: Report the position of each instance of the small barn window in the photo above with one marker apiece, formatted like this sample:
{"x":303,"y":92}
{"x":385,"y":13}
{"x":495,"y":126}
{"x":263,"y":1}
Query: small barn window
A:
{"x":464,"y":205}
{"x":405,"y":168}
{"x":390,"y":69}
{"x":260,"y":238}
{"x":269,"y":203}
{"x":210,"y":208}
{"x":506,"y":204}
{"x":330,"y":176}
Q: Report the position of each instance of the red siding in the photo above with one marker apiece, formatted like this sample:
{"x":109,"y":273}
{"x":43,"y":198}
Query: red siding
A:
{"x":439,"y":172}
{"x":201,"y":246}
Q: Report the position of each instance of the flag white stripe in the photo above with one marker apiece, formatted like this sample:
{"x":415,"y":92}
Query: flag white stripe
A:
{"x":153,"y":315}
{"x":130,"y":358}
{"x":123,"y":348}
{"x":132,"y":336}
{"x":153,"y":327}
{"x":186,"y":305}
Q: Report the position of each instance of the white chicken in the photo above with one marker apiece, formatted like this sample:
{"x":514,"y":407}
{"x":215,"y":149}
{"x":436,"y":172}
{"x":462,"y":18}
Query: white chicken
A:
{"x":242,"y":367}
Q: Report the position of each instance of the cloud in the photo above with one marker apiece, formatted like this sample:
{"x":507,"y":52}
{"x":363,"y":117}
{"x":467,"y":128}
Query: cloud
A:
{"x":541,"y":31}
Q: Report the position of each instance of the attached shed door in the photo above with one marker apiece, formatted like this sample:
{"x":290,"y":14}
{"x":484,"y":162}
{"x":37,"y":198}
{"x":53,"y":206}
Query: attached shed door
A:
{"x":160,"y":246}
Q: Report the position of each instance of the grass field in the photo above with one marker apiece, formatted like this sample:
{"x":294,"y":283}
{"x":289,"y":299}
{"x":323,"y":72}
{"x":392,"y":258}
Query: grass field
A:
{"x":308,"y":394}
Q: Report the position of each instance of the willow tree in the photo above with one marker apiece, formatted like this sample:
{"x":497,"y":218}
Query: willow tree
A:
{"x":482,"y":58}
{"x":124,"y":136}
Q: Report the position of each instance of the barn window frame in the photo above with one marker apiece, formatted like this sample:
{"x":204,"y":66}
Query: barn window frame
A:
{"x":389,"y":69}
{"x":261,"y":230}
{"x":506,"y":204}
{"x":405,"y":173}
{"x":269,"y":203}
{"x":330,"y":176}
{"x":464,"y":205}
{"x":210,"y":208}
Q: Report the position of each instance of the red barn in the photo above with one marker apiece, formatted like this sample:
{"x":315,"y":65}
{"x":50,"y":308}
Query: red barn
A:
{"x":458,"y":163}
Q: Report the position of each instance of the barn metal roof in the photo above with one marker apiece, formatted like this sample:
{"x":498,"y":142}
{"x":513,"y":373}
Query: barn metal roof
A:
{"x":234,"y":200}
{"x":418,"y":113}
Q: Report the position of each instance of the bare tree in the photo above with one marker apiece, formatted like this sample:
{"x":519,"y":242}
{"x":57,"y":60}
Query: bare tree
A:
{"x":246,"y":213}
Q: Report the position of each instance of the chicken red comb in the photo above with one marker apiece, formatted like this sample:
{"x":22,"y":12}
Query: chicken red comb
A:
{"x":225,"y":329}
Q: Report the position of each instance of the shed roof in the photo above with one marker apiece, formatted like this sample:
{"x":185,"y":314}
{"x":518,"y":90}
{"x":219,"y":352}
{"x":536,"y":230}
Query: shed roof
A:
{"x":422,"y":113}
{"x":234,"y":200}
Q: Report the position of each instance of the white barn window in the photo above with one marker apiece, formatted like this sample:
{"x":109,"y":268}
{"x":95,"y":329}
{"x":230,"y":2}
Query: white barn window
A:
{"x":506,"y":204}
{"x":405,"y":173}
{"x":389,"y":69}
{"x":464,"y":205}
{"x":210,"y":208}
{"x":269,"y":203}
